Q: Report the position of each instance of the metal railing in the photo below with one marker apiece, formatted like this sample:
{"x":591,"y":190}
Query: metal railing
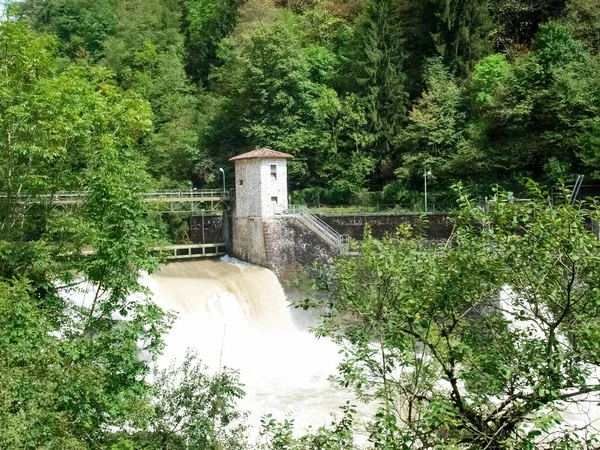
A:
{"x":63,"y":197}
{"x":325,"y":231}
{"x":161,"y":196}
{"x":187,"y":251}
{"x":380,"y":209}
{"x":193,"y":194}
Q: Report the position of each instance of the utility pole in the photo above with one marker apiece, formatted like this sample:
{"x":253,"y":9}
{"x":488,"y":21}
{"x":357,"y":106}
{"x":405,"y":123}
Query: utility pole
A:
{"x":426,"y":175}
{"x":223,"y":172}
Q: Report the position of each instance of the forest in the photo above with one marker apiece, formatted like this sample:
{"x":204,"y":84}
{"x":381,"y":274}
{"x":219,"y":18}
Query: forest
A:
{"x":117,"y":97}
{"x":364,"y":94}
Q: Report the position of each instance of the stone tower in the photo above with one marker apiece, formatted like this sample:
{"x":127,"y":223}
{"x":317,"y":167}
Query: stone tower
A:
{"x":260,"y":195}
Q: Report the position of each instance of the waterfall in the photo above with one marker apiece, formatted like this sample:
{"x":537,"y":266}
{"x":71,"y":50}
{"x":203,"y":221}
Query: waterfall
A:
{"x":235,"y":314}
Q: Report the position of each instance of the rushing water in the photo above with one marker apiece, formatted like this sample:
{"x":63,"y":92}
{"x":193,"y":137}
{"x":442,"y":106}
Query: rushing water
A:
{"x":237,"y":315}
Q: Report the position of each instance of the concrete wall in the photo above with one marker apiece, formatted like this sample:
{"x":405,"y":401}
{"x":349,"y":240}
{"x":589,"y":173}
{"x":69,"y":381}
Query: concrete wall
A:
{"x":290,"y":247}
{"x":436,"y":227}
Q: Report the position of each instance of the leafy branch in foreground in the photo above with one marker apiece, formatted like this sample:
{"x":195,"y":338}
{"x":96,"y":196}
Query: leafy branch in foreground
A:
{"x":276,"y":435}
{"x":481,"y":342}
{"x":192,"y":408}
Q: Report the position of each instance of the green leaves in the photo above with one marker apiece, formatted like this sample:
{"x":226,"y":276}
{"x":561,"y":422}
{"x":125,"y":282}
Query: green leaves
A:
{"x":482,"y":337}
{"x":488,"y":74}
{"x":70,"y":370}
{"x":192,"y":408}
{"x":377,"y":56}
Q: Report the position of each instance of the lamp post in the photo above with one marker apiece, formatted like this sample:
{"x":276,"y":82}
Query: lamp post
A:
{"x":223,"y":172}
{"x":426,"y":175}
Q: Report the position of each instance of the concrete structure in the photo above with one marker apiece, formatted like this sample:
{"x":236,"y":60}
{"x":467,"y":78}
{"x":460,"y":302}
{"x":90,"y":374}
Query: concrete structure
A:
{"x":432,"y":226}
{"x":260,"y":195}
{"x":269,"y":233}
{"x":261,"y":183}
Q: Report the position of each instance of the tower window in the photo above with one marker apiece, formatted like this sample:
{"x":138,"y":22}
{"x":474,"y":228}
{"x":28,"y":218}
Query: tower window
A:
{"x":273,"y":171}
{"x":274,"y":200}
{"x":241,"y":182}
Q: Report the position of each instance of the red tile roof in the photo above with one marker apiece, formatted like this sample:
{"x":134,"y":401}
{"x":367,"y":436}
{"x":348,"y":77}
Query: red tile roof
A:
{"x":262,"y":153}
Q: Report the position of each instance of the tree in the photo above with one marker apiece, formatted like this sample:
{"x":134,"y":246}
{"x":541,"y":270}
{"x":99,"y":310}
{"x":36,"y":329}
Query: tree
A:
{"x":206,"y":23}
{"x":280,"y":96}
{"x":459,"y":32}
{"x":516,"y":22}
{"x":192,"y":409}
{"x":479,"y":342}
{"x":584,"y":17}
{"x":82,"y":26}
{"x":545,"y":107}
{"x":70,"y":370}
{"x":147,"y":53}
{"x":436,"y":133}
{"x":377,"y":60}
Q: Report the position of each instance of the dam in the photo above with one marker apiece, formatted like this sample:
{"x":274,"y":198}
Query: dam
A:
{"x":236,"y":314}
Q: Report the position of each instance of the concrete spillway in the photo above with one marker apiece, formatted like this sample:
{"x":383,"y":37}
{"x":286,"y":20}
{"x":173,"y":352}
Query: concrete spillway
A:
{"x":237,"y":315}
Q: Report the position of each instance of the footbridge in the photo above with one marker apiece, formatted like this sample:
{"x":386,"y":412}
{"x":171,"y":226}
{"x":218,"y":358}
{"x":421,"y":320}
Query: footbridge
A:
{"x":184,"y":251}
{"x":189,"y":251}
{"x":190,"y":202}
{"x":175,"y":201}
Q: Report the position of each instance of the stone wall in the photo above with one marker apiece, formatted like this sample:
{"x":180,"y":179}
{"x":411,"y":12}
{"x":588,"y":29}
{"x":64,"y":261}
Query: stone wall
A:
{"x":290,"y":247}
{"x":436,"y":227}
{"x":256,"y":189}
{"x":273,"y":188}
{"x":248,"y":240}
{"x":247,"y":187}
{"x":284,"y":245}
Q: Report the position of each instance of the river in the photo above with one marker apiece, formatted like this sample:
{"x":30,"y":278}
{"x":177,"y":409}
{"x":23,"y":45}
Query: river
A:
{"x":235,"y":314}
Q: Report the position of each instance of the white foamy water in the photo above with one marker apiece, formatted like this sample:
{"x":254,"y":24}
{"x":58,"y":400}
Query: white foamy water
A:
{"x":581,"y":413}
{"x":237,"y":315}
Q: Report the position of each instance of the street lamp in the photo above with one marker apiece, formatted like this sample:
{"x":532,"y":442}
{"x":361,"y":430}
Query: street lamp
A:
{"x":426,"y":175}
{"x":223,"y":172}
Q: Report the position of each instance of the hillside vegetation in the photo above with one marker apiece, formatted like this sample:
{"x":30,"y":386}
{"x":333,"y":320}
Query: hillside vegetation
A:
{"x":478,"y":343}
{"x":364,"y":93}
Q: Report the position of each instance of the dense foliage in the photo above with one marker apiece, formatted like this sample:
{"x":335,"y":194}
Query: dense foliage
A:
{"x":362,"y":93}
{"x":481,"y":342}
{"x":113,"y":97}
{"x":74,"y":320}
{"x":60,"y":131}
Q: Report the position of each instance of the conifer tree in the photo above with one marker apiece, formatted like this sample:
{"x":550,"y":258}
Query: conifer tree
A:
{"x":378,"y":59}
{"x":459,"y":31}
